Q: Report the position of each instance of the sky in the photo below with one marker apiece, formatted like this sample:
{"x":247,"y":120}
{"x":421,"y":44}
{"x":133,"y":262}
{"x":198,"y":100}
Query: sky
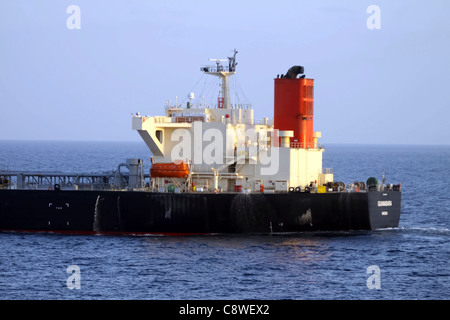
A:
{"x":66,"y":77}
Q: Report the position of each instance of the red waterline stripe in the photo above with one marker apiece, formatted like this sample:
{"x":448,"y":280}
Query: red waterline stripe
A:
{"x":110,"y":233}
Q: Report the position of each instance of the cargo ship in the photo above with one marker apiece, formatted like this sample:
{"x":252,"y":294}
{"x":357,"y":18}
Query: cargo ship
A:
{"x":214,"y":169}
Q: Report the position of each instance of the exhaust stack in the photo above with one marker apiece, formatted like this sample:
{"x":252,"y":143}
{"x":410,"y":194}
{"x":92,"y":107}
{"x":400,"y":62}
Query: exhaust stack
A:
{"x":294,"y":107}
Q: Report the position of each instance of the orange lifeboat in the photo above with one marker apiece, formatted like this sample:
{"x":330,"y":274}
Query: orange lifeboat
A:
{"x":169,"y":170}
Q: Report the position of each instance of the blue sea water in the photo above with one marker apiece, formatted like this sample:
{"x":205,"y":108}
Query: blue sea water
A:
{"x":412,"y":259}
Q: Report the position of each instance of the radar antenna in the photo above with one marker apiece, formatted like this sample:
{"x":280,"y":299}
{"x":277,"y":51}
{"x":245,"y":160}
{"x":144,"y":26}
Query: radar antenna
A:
{"x":223,"y":72}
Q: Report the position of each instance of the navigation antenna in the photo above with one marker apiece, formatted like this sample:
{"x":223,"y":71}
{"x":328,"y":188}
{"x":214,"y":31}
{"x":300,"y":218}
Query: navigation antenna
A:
{"x":223,"y":72}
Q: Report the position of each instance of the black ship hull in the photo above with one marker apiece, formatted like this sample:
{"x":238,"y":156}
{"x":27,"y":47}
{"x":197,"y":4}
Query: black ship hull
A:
{"x":134,"y":212}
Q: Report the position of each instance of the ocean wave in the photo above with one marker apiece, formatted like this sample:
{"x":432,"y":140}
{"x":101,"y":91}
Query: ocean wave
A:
{"x":436,"y":230}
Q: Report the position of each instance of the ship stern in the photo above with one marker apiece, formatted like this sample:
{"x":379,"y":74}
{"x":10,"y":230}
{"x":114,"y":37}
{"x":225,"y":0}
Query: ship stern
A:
{"x":384,"y":209}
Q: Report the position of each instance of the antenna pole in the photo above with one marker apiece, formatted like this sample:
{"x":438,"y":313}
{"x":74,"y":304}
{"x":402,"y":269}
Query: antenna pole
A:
{"x":223,"y":73}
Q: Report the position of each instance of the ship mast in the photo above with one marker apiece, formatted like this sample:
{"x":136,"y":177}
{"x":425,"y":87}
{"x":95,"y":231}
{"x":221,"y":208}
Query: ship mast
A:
{"x":223,"y":72}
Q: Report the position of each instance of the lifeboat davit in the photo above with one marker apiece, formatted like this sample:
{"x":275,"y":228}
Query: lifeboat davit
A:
{"x":169,"y":170}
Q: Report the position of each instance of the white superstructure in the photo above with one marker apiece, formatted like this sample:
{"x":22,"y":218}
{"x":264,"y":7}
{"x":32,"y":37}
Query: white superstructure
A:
{"x":225,"y":149}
